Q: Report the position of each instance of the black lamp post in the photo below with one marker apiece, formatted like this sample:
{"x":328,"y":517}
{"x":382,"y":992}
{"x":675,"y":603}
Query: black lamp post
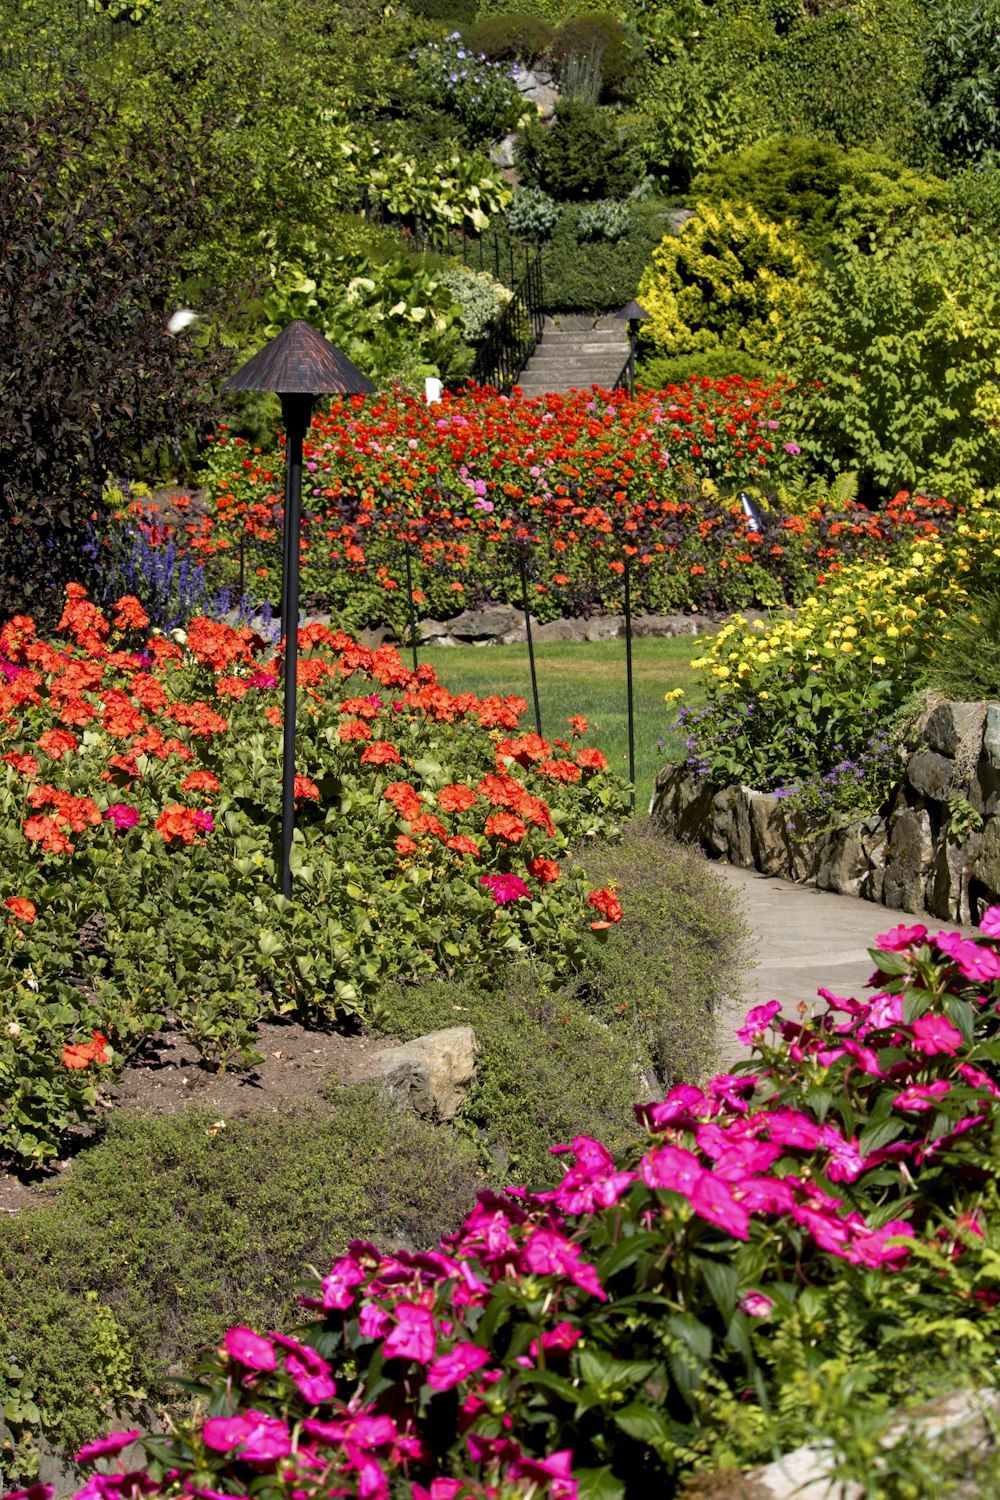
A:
{"x":636,"y":314}
{"x":298,"y":365}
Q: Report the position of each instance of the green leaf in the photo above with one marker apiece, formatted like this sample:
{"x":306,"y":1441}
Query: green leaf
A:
{"x":598,"y":1484}
{"x":643,"y":1422}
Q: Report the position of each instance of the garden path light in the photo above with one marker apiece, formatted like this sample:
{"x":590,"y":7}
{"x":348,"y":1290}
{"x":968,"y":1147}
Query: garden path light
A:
{"x":636,"y":314}
{"x":298,"y":365}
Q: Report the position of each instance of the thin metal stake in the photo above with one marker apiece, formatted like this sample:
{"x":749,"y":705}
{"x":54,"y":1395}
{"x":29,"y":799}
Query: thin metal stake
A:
{"x":413,"y":618}
{"x":531,"y":647}
{"x":628,"y":678}
{"x":295,"y":411}
{"x":243,"y":584}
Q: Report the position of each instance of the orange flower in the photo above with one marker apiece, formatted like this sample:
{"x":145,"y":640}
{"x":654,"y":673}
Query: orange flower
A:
{"x":354,"y":729}
{"x":305,"y":790}
{"x":428,"y":823}
{"x":58,"y":742}
{"x":82,"y":1054}
{"x":606,"y":902}
{"x":578,"y":724}
{"x":405,"y":800}
{"x":177,"y":822}
{"x":591,"y":760}
{"x":273,"y":716}
{"x":21,"y":908}
{"x":456,"y":798}
{"x":462,"y":844}
{"x":560,"y":770}
{"x":405,"y":845}
{"x":129,"y":613}
{"x":47,"y":833}
{"x":545,"y":870}
{"x":27,"y":765}
{"x":200,"y":781}
{"x":503,"y":825}
{"x":381,"y":753}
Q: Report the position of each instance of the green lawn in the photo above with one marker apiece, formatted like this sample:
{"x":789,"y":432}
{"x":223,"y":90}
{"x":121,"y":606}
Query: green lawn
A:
{"x":580,"y":677}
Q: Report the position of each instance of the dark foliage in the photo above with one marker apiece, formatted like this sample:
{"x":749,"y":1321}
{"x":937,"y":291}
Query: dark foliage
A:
{"x":584,"y":155}
{"x":92,"y":226}
{"x":603,"y":36}
{"x":511,"y":37}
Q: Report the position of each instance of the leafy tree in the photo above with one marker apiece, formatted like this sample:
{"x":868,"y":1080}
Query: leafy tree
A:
{"x":583,"y":155}
{"x":962,"y":79}
{"x":90,"y":245}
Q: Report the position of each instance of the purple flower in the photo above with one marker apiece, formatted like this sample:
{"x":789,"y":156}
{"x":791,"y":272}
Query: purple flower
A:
{"x":505,"y":888}
{"x":122,"y":816}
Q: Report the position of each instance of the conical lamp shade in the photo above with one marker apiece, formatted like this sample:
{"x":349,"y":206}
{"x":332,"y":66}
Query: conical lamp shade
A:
{"x":301,"y":362}
{"x":635,"y":312}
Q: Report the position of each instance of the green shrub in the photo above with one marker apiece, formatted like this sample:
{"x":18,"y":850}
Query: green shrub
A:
{"x":458,"y":12}
{"x":594,"y":275}
{"x":656,"y":371}
{"x":897,"y":355}
{"x":531,"y":214}
{"x":583,"y":155}
{"x":479,"y":295}
{"x":607,"y":219}
{"x":169,"y":1229}
{"x":511,"y":37}
{"x":728,"y":277}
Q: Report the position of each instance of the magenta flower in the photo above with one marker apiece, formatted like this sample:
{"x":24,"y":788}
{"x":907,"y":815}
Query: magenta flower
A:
{"x":682,"y":1103}
{"x":505,"y":888}
{"x":933,"y":1034}
{"x":757,"y":1022}
{"x":456,"y":1365}
{"x":873,"y":1247}
{"x":592,"y":1182}
{"x":974,"y":962}
{"x":414,"y":1336}
{"x":673,"y":1168}
{"x":549,"y":1254}
{"x":203,"y":820}
{"x":756,"y":1305}
{"x":263,"y":680}
{"x":373,"y":1322}
{"x":34,"y":1491}
{"x":790,"y":1128}
{"x":989,"y":925}
{"x":921,"y":1095}
{"x":345,"y":1274}
{"x":260,"y":1439}
{"x":315,"y":1385}
{"x":712,"y":1199}
{"x":122,"y":816}
{"x":250,"y":1349}
{"x":105,"y":1447}
{"x":901,"y":937}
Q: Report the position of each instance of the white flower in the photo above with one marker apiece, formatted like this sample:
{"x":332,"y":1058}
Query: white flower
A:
{"x":180,"y":320}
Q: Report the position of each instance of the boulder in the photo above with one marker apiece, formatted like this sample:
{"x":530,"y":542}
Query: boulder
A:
{"x":604,"y":628}
{"x":538,"y":88}
{"x":930,"y":774}
{"x":842,"y":863}
{"x":955,"y":727}
{"x":667,"y":625}
{"x":985,"y":866}
{"x":769,"y":838}
{"x":430,"y":1074}
{"x":479,"y":624}
{"x":991,"y":735}
{"x":908,"y":860}
{"x":559,"y":630}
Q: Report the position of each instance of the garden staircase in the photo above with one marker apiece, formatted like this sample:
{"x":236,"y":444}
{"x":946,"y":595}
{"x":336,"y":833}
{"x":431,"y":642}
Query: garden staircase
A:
{"x":576,"y":351}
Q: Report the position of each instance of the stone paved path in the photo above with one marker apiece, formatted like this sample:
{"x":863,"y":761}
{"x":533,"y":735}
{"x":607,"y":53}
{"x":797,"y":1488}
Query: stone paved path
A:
{"x":802,"y":939}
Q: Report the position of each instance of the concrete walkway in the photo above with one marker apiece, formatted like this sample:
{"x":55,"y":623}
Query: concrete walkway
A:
{"x":803,"y":939}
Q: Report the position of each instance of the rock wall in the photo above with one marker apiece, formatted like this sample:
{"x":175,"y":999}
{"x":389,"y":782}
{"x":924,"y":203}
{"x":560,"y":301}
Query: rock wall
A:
{"x":916,"y":855}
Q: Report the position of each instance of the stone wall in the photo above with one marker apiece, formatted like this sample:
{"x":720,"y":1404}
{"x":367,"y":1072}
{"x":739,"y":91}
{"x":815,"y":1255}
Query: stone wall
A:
{"x":912,"y":856}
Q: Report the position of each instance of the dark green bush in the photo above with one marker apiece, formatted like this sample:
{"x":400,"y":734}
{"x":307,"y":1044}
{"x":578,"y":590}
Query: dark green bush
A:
{"x":169,"y":1230}
{"x":966,"y":663}
{"x":582,"y":155}
{"x":511,"y":37}
{"x":460,"y":12}
{"x":91,"y":241}
{"x":961,"y":80}
{"x":600,"y":36}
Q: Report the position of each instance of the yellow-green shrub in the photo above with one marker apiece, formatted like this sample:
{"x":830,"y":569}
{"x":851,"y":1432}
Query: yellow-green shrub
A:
{"x":730,"y":277}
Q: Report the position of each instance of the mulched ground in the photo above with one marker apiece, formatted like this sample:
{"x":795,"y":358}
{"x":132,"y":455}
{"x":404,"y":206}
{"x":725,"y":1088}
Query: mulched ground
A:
{"x":168,"y":1076}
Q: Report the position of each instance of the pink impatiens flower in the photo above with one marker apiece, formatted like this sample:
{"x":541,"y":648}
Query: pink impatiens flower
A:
{"x":901,"y":937}
{"x":921,"y":1095}
{"x":756,"y":1305}
{"x":456,"y":1365}
{"x":258,"y":1437}
{"x":974,"y":962}
{"x":592,"y":1182}
{"x":250,"y":1349}
{"x":122,"y":816}
{"x":757,"y":1021}
{"x":414,"y":1336}
{"x":106,"y":1447}
{"x":934,"y":1034}
{"x":673,"y":1168}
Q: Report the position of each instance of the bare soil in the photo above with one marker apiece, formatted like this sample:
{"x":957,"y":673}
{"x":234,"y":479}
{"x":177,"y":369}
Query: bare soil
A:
{"x":299,"y":1066}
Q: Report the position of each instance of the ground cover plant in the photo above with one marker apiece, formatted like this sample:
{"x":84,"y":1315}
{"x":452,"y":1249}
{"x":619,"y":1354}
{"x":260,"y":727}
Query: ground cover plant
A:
{"x":468,"y":490}
{"x":807,"y":705}
{"x":822,"y":1219}
{"x":141,"y":788}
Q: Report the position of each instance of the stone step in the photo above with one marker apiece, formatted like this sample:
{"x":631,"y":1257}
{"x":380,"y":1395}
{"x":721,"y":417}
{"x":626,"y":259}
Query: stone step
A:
{"x":580,"y":351}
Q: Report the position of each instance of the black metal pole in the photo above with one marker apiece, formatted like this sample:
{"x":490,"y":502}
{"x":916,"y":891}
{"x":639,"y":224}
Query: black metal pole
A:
{"x":413,"y":619}
{"x":531,"y":647}
{"x":631,"y":359}
{"x":295,"y":411}
{"x":243,"y":582}
{"x":628,"y":678}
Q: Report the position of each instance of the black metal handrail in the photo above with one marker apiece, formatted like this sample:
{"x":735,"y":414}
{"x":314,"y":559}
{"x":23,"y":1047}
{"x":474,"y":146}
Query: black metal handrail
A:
{"x":94,"y":33}
{"x":514,"y":335}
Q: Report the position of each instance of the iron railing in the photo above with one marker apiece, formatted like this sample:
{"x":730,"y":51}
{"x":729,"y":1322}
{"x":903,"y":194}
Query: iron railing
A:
{"x":514,"y":334}
{"x":93,"y":34}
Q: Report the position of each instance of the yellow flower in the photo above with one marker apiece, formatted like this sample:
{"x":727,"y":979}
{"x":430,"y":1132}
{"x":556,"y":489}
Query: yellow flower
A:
{"x":673,"y":695}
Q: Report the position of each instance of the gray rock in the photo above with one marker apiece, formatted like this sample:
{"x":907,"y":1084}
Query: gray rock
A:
{"x":843,"y":863}
{"x":804,"y":1475}
{"x":720,"y":828}
{"x":986,"y":866}
{"x":991,"y":735}
{"x":908,"y":860}
{"x":537,"y":87}
{"x":678,"y":217}
{"x":604,"y":628}
{"x":559,"y":630}
{"x":502,"y":154}
{"x":769,"y":838}
{"x":477,"y":624}
{"x":947,"y":885}
{"x":956,"y":726}
{"x":930,"y":774}
{"x":432,"y":1073}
